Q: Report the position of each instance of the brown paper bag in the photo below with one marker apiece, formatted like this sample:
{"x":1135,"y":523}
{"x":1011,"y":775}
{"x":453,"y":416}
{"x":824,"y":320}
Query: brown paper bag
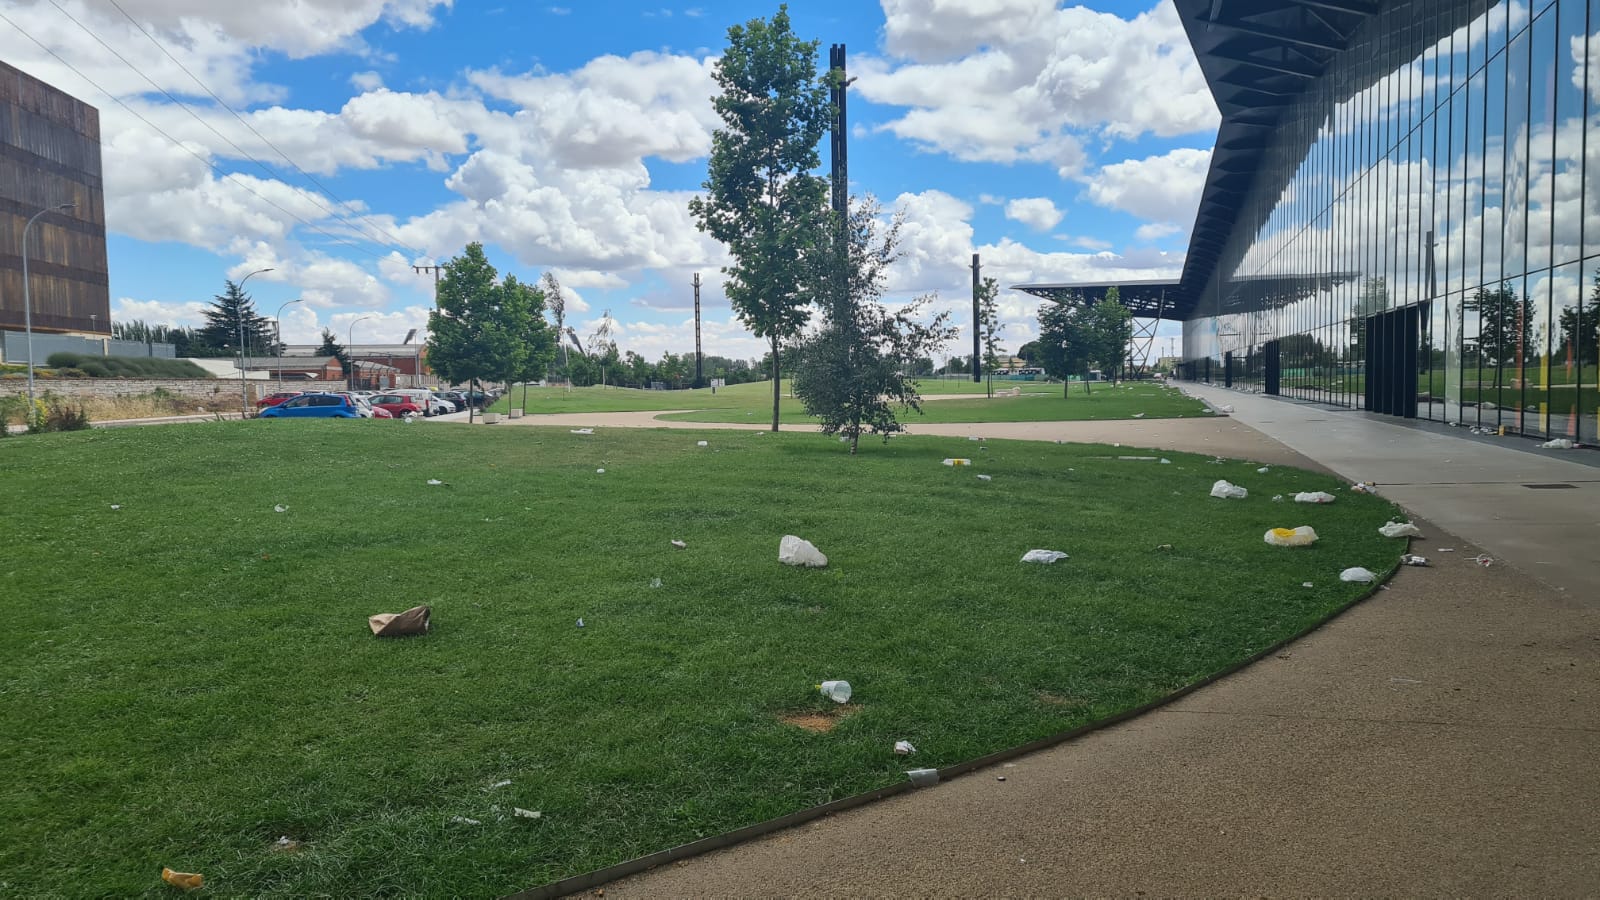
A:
{"x":412,"y":621}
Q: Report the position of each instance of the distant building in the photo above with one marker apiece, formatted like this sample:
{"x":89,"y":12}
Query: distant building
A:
{"x":50,"y":155}
{"x":409,"y":362}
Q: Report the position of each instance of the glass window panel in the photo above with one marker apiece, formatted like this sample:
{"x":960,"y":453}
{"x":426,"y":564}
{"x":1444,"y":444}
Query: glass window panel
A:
{"x":1516,"y":152}
{"x":1541,"y":139}
{"x":1493,"y":171}
{"x":1567,"y":178}
{"x":1580,"y":331}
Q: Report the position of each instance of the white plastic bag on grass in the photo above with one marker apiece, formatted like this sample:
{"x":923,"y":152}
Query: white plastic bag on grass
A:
{"x":1358,"y":575}
{"x":796,"y":551}
{"x":1228,"y":491}
{"x":1400,"y":530}
{"x":1313,"y":497}
{"x":1043,"y":556}
{"x":958,"y":462}
{"x":1304,"y":536}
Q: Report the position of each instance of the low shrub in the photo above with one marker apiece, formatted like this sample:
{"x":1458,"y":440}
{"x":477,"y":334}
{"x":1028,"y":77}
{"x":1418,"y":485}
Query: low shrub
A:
{"x":127,"y":366}
{"x":64,"y":416}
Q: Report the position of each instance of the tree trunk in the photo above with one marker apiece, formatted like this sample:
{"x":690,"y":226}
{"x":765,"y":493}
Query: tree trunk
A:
{"x":472,"y":388}
{"x":776,"y":382}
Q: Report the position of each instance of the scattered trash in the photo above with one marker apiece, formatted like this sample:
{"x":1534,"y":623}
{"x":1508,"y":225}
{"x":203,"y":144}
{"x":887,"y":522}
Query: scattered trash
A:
{"x":521,"y":813}
{"x":189,"y":881}
{"x":1277,"y":498}
{"x":1304,"y":536}
{"x":1364,"y":487}
{"x":680,"y":545}
{"x":1138,"y":415}
{"x":599,"y":471}
{"x":1228,"y":491}
{"x":796,"y":551}
{"x":463,"y":820}
{"x":1163,"y":546}
{"x":1165,"y":462}
{"x":1557,"y":444}
{"x":1411,"y":559}
{"x":904,"y":748}
{"x":415,"y":620}
{"x":985,"y":477}
{"x":1138,"y":458}
{"x":837,"y":691}
{"x":655,"y":582}
{"x":1447,"y":549}
{"x":1306,"y":584}
{"x":1485,"y":561}
{"x":499,"y":784}
{"x":1225,"y":409}
{"x":280,"y":508}
{"x":1001,"y":778}
{"x":974,"y":438}
{"x":580,"y":623}
{"x":1313,"y":497}
{"x":924,"y":777}
{"x":435,"y":482}
{"x":1400,"y":529}
{"x":958,"y":462}
{"x":583,"y":431}
{"x":1262,"y":471}
{"x":285,"y":844}
{"x":1357,"y":574}
{"x":702,"y":443}
{"x":1046,"y":557}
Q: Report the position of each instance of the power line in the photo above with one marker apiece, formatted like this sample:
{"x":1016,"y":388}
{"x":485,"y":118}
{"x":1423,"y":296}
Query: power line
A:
{"x":209,"y":127}
{"x":245,"y":122}
{"x":180,"y":145}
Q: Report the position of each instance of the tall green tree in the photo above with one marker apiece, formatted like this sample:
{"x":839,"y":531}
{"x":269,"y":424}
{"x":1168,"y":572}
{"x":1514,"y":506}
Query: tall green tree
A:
{"x":1112,"y":327}
{"x":484,"y":329}
{"x":762,"y":199}
{"x":854,"y":373}
{"x":331,"y":347}
{"x":1580,"y":341}
{"x":989,"y":326}
{"x":1505,"y":327}
{"x":1066,"y":341}
{"x":231,"y":313}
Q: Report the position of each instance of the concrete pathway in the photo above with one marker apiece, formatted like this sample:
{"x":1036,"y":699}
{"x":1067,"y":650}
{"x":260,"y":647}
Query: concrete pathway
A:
{"x":1440,"y":739}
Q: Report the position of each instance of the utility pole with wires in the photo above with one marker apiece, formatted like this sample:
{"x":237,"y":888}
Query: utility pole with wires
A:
{"x":423,"y":270}
{"x":699,"y":357}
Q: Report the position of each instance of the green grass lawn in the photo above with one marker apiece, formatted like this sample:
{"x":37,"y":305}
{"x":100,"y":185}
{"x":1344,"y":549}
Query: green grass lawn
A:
{"x":190,"y":677}
{"x":753,"y":403}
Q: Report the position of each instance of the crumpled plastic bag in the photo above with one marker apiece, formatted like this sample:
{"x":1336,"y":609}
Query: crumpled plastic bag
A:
{"x":1400,"y":530}
{"x":1043,"y":556}
{"x":1357,"y":574}
{"x":1557,"y":444}
{"x":1364,"y":487}
{"x":1228,"y":491}
{"x":1313,"y":497}
{"x":1304,"y":536}
{"x":796,"y":551}
{"x":413,"y":621}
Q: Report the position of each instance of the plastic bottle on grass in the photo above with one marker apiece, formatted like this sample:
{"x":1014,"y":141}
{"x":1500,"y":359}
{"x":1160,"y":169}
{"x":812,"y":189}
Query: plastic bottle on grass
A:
{"x":837,"y":691}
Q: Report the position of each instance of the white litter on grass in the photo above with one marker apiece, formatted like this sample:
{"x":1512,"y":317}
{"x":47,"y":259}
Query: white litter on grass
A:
{"x":1165,"y":462}
{"x":795,"y":551}
{"x":1357,"y":574}
{"x":702,"y":443}
{"x":680,"y":545}
{"x":521,"y":813}
{"x":985,"y":477}
{"x":1306,"y":584}
{"x":1277,"y":498}
{"x":116,"y":506}
{"x":1400,"y":530}
{"x":1046,"y":557}
{"x":837,"y":691}
{"x":923,"y":777}
{"x":1304,"y":536}
{"x":1314,"y":497}
{"x":435,"y":481}
{"x":500,"y":784}
{"x":599,"y":471}
{"x":655,"y":582}
{"x":1226,"y":491}
{"x":583,"y":431}
{"x":1364,"y":487}
{"x":1139,"y":458}
{"x":1138,"y":415}
{"x":1262,"y":471}
{"x":958,"y":462}
{"x":280,"y":508}
{"x":904,"y":748}
{"x":463,"y":820}
{"x":1557,"y":444}
{"x":580,"y":623}
{"x":974,"y":438}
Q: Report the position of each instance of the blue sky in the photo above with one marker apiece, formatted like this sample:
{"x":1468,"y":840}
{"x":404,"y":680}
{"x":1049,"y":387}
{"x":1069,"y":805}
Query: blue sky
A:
{"x":1060,"y":142}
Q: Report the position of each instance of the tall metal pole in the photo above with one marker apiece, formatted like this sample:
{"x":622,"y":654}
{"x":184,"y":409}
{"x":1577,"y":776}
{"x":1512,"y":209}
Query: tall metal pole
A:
{"x":977,"y":354}
{"x":350,"y":348}
{"x":699,"y":357}
{"x":244,"y":392}
{"x":277,"y":335}
{"x":27,"y":299}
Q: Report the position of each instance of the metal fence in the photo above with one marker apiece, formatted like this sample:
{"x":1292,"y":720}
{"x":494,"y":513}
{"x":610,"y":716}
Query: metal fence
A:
{"x":14,"y":347}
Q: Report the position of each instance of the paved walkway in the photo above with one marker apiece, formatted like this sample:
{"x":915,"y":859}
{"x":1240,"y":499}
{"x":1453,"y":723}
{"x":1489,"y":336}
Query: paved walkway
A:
{"x":1441,"y":739}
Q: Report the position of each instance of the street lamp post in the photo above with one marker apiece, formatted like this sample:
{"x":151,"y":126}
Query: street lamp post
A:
{"x":244,"y":393}
{"x":277,"y":335}
{"x":349,"y":348}
{"x":27,"y":299}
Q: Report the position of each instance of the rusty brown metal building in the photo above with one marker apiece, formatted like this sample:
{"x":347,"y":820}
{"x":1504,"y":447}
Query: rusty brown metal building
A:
{"x":49,"y":155}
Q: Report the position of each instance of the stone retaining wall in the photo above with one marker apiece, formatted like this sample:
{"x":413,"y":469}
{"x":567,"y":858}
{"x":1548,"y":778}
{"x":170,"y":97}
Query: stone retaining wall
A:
{"x":222,"y":391}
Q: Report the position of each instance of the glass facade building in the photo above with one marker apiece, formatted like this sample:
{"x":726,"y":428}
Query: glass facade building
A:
{"x":1420,"y":233}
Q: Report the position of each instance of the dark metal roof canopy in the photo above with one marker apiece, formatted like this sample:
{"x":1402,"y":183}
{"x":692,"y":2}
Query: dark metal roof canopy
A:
{"x":1145,"y":299}
{"x":1259,"y":57}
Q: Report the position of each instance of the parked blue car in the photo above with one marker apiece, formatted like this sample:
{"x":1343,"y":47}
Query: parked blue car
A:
{"x":313,"y":406}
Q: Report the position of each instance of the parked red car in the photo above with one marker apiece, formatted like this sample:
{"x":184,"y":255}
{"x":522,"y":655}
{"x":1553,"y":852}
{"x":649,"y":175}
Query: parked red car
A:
{"x":397,"y":405}
{"x":275,"y":399}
